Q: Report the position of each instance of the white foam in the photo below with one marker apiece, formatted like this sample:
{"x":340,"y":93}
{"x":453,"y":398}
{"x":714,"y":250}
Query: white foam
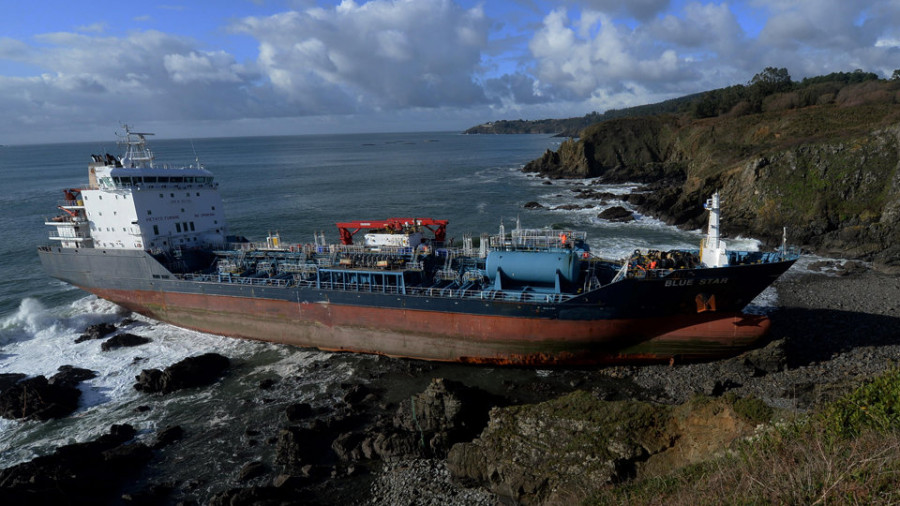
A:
{"x":37,"y":341}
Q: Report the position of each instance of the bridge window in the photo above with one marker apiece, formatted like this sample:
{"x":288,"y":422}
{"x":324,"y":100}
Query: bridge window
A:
{"x":178,"y":227}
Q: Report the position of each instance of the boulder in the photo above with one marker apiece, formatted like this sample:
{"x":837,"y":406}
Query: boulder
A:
{"x":71,"y":375}
{"x":189,"y":373}
{"x":36,"y":398}
{"x":123,"y":340}
{"x":168,"y":436}
{"x":617,"y":214}
{"x":96,"y":331}
{"x":297,"y":447}
{"x":533,"y":205}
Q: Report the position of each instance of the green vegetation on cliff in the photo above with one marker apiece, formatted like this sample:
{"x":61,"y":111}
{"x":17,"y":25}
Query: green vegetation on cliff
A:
{"x":571,"y":127}
{"x":821,"y":157}
{"x":848,"y":452}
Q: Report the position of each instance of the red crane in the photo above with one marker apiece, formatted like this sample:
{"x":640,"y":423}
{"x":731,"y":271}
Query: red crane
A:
{"x":348,"y":229}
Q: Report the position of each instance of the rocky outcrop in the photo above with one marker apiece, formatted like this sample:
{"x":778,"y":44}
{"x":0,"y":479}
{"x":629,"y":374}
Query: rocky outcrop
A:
{"x":96,"y":331}
{"x":123,"y":340}
{"x":189,"y":373}
{"x":426,"y":425}
{"x":82,"y":473}
{"x":616,"y":214}
{"x":38,"y":398}
{"x":831,"y":178}
{"x":560,"y":450}
{"x":632,"y":150}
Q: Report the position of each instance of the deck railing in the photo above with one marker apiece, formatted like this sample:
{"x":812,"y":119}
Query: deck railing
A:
{"x":416,"y":291}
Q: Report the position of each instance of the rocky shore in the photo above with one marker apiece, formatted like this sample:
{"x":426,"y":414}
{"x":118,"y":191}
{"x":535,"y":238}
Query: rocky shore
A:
{"x":408,"y":432}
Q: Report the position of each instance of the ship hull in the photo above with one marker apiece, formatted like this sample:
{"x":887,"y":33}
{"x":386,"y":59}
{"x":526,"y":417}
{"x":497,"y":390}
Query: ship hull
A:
{"x":649,"y":323}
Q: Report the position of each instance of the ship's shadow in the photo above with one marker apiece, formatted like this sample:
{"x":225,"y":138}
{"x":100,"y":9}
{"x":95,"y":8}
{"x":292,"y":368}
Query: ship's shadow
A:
{"x":816,"y":335}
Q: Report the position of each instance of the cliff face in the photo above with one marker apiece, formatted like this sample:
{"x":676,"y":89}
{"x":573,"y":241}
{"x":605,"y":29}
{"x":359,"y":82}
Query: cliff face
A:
{"x":831,"y":175}
{"x":634,"y":149}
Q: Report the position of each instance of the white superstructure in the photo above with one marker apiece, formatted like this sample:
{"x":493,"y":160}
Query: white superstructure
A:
{"x":130,"y":203}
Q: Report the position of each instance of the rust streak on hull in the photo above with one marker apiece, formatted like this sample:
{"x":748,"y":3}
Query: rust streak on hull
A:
{"x":454,"y":337}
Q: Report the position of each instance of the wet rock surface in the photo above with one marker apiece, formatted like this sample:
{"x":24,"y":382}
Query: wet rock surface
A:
{"x":188,"y":373}
{"x":93,"y":472}
{"x":123,"y":340}
{"x":97,"y":331}
{"x":616,"y":214}
{"x":39,"y":398}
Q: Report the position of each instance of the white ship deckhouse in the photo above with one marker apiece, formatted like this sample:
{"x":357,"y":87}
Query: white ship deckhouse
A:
{"x":130,"y":203}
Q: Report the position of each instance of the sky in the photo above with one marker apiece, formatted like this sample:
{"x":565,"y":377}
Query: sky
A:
{"x":75,"y":70}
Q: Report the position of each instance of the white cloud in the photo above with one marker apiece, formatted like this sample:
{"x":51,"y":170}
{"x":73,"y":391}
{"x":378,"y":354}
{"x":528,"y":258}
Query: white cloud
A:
{"x":383,"y":54}
{"x":202,"y":67}
{"x":421,"y":60}
{"x":643,"y":10}
{"x":610,"y":61}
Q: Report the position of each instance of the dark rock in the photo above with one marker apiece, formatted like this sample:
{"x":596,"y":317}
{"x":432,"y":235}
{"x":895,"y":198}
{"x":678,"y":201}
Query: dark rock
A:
{"x":97,"y":331}
{"x":142,"y":408}
{"x":571,"y":207}
{"x":288,"y":481}
{"x":616,"y":214}
{"x":92,"y":472}
{"x":168,"y":436}
{"x":447,"y":412}
{"x":252,"y":470}
{"x":297,"y":412}
{"x":188,"y":373}
{"x":533,"y":205}
{"x":356,"y":394}
{"x":266,"y":384}
{"x":348,"y":447}
{"x":123,"y":340}
{"x":156,"y":493}
{"x":127,"y":455}
{"x":71,"y":376}
{"x":297,"y":447}
{"x":36,"y":398}
{"x":9,"y":379}
{"x":248,"y":496}
{"x":770,"y":359}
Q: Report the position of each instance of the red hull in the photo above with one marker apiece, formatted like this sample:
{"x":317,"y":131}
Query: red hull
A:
{"x":454,"y":337}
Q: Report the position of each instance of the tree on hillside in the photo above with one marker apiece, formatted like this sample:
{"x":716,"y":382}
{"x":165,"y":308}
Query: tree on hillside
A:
{"x":896,"y":75}
{"x":771,"y":80}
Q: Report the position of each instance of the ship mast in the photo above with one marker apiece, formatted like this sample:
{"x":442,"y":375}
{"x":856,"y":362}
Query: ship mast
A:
{"x":712,"y":247}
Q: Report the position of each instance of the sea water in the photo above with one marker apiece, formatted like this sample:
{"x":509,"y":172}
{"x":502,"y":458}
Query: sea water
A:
{"x":295,"y":186}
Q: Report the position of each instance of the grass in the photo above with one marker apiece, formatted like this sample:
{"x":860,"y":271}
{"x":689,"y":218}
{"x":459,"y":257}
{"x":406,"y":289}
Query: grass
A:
{"x":846,"y":453}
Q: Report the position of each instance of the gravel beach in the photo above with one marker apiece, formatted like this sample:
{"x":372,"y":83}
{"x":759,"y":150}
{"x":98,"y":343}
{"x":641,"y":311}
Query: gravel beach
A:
{"x":829,"y":333}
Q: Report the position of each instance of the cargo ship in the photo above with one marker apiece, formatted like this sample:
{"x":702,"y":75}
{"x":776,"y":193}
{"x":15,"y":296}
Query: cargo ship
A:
{"x":154,"y":239}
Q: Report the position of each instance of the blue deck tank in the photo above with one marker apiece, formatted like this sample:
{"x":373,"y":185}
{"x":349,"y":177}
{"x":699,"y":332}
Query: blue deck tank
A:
{"x":534,"y":267}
